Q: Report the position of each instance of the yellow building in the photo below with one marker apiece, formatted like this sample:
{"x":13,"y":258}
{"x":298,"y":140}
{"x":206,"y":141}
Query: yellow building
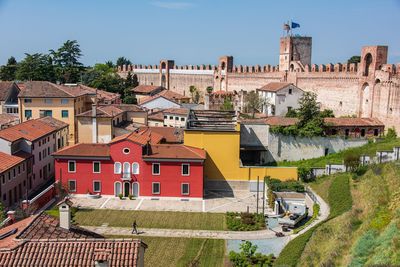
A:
{"x":63,"y":102}
{"x":219,"y":134}
{"x":106,"y":122}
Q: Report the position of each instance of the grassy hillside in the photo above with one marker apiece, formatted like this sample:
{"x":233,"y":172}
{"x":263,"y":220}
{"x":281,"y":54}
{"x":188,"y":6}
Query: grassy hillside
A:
{"x":366,"y":234}
{"x":368,"y":149}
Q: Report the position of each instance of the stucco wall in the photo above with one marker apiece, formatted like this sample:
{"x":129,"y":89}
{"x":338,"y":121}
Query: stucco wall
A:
{"x":160,"y":102}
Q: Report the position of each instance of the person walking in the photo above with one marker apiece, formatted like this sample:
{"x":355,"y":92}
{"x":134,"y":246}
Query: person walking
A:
{"x":134,"y":228}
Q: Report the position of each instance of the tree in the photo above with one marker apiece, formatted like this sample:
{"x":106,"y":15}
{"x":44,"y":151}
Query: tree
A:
{"x":123,"y":61}
{"x":195,"y":94}
{"x":391,"y":133}
{"x":130,"y":100}
{"x":354,"y":59}
{"x":66,"y":61}
{"x":103,"y":77}
{"x":309,"y":108}
{"x":327,"y":113}
{"x":8,"y":72}
{"x":249,"y":257}
{"x":37,"y":67}
{"x":131,"y":80}
{"x":254,"y":103}
{"x":2,"y":212}
{"x":352,"y":160}
{"x":209,"y":89}
{"x":228,"y":105}
{"x":292,"y":113}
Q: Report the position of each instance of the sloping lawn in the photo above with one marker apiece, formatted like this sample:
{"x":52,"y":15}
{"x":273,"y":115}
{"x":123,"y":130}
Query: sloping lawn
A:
{"x":368,"y":149}
{"x":171,"y":252}
{"x":151,"y":219}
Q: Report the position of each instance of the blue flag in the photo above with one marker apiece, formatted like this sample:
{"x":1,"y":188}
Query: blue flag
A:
{"x":295,"y":25}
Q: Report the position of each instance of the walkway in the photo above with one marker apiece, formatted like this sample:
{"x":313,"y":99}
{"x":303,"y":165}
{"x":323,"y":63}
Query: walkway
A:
{"x":241,"y":235}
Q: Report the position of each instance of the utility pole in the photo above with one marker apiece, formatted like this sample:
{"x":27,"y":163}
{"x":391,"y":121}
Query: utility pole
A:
{"x":258,"y":189}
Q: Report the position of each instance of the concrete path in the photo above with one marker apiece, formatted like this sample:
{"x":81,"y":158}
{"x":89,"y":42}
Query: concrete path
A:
{"x":239,"y":235}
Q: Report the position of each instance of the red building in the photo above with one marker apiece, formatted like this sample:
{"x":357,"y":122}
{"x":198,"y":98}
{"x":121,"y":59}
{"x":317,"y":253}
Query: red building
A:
{"x":132,"y":164}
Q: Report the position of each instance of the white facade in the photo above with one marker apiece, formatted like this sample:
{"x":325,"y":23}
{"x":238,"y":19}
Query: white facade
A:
{"x":278,"y":103}
{"x":175,"y":120}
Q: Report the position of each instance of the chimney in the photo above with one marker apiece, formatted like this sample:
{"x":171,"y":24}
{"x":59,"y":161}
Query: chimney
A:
{"x":65,"y":215}
{"x":11,"y":215}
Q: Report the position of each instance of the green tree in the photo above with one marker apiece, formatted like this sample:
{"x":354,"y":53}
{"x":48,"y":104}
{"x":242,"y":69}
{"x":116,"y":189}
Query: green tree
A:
{"x":327,"y":113}
{"x":292,"y":113}
{"x":36,"y":67}
{"x":8,"y":72}
{"x":110,"y":64}
{"x":354,"y":59}
{"x":254,"y":103}
{"x":352,"y":160}
{"x":130,"y":100}
{"x":2,"y":212}
{"x":131,"y":80}
{"x":249,"y":257}
{"x":195,"y":94}
{"x":228,"y":105}
{"x":123,"y":61}
{"x":310,"y":122}
{"x":209,"y":89}
{"x":103,"y":77}
{"x":391,"y":133}
{"x":66,"y":61}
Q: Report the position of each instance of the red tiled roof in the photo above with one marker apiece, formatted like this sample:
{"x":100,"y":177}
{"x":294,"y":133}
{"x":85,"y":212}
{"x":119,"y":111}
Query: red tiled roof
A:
{"x":178,"y":111}
{"x":175,"y":151}
{"x":147,"y":89}
{"x":353,"y":122}
{"x":8,"y":161}
{"x":142,"y":137}
{"x":167,"y":94}
{"x":223,"y":93}
{"x":110,"y":111}
{"x":280,"y":121}
{"x":84,"y":150}
{"x":5,"y":88}
{"x":156,"y":116}
{"x":47,"y":89}
{"x":170,"y":134}
{"x":8,"y":118}
{"x":274,"y":86}
{"x":11,"y":241}
{"x":32,"y":129}
{"x":73,"y":252}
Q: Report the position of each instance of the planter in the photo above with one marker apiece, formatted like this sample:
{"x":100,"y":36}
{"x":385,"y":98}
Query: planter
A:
{"x":93,"y":196}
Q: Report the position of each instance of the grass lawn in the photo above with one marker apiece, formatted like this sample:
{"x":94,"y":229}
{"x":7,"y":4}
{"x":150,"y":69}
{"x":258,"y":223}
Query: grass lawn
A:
{"x":152,"y":219}
{"x":368,"y":149}
{"x":170,"y":251}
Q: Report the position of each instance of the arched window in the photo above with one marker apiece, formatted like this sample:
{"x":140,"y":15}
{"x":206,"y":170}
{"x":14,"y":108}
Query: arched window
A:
{"x":127,"y":167}
{"x":117,"y":188}
{"x":368,"y":61}
{"x":117,"y":167}
{"x":135,"y":168}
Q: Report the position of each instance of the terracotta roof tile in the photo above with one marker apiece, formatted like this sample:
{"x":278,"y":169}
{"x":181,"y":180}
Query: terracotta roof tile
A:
{"x":8,"y":118}
{"x":274,"y":86}
{"x":156,"y":116}
{"x":84,"y":150}
{"x":5,"y":88}
{"x":142,"y":137}
{"x":354,"y":122}
{"x":32,"y":129}
{"x":170,"y":134}
{"x":8,"y":161}
{"x":112,"y":110}
{"x":178,"y":111}
{"x":175,"y":151}
{"x":147,"y":89}
{"x":48,"y":89}
{"x":223,"y":93}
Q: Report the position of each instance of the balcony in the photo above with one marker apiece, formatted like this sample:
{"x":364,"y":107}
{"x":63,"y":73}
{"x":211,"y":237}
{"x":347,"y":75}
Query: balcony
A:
{"x":126,"y":176}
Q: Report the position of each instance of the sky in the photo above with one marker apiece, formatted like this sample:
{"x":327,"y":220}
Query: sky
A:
{"x":197,"y":31}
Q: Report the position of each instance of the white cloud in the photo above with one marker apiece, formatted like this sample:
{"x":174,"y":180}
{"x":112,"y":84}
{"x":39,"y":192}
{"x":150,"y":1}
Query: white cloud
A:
{"x":172,"y":5}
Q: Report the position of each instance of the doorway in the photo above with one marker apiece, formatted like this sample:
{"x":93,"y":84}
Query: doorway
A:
{"x":117,"y":189}
{"x":126,"y":189}
{"x":135,"y":189}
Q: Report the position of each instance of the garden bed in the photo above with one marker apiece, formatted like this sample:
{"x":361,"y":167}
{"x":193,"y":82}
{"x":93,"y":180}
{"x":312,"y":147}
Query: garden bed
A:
{"x":245,"y":221}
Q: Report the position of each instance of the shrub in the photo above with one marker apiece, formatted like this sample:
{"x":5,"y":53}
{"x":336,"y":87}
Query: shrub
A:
{"x":305,"y":174}
{"x":352,"y":160}
{"x":130,"y":197}
{"x":121,"y":196}
{"x":282,"y":186}
{"x":249,"y":257}
{"x":245,"y":221}
{"x":2,"y":212}
{"x":391,"y":133}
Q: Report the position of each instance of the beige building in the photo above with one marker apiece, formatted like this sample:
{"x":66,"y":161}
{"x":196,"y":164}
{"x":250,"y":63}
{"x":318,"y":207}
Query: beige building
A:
{"x":103,"y":123}
{"x":9,"y":98}
{"x":62,"y":102}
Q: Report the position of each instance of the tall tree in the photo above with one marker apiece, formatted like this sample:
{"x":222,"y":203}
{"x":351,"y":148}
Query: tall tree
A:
{"x":131,"y":80}
{"x":123,"y":61}
{"x":103,"y":77}
{"x":311,"y":123}
{"x":254,"y":103}
{"x":66,"y":60}
{"x":36,"y":67}
{"x":354,"y":59}
{"x":8,"y":72}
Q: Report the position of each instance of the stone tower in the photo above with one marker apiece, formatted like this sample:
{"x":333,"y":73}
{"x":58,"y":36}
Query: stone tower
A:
{"x":294,"y":53}
{"x":165,"y":66}
{"x":372,"y":59}
{"x":225,"y":66}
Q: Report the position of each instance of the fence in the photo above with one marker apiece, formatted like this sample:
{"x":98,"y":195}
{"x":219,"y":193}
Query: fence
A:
{"x":40,"y":200}
{"x":380,"y":157}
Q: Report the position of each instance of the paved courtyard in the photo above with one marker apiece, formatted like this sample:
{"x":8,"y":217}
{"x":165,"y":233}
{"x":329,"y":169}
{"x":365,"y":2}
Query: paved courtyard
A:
{"x":214,"y":201}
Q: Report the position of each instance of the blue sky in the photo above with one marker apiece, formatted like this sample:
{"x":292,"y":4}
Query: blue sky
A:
{"x":197,"y":31}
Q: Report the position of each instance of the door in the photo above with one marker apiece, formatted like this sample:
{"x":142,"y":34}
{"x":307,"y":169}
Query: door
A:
{"x":135,"y":189}
{"x":126,"y":189}
{"x":117,"y":189}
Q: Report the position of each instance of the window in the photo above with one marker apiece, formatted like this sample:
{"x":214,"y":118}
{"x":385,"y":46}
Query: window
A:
{"x":28,"y":113}
{"x":19,"y":169}
{"x":376,"y":132}
{"x":290,"y":91}
{"x":182,"y":119}
{"x":40,"y":156}
{"x":289,"y":109}
{"x":27,"y":100}
{"x":171,"y":117}
{"x":126,"y":150}
{"x":64,"y":113}
{"x":135,"y":168}
{"x":96,"y":166}
{"x":117,"y":167}
{"x":156,"y":169}
{"x":64,"y":101}
{"x":165,"y":117}
{"x":156,"y":188}
{"x":48,"y":100}
{"x":346,"y":132}
{"x":185,"y":169}
{"x":48,"y":151}
{"x":96,"y":186}
{"x":72,"y":185}
{"x":176,"y":118}
{"x":45,"y":113}
{"x":71,"y":166}
{"x":185,"y":189}
{"x":362,"y":132}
